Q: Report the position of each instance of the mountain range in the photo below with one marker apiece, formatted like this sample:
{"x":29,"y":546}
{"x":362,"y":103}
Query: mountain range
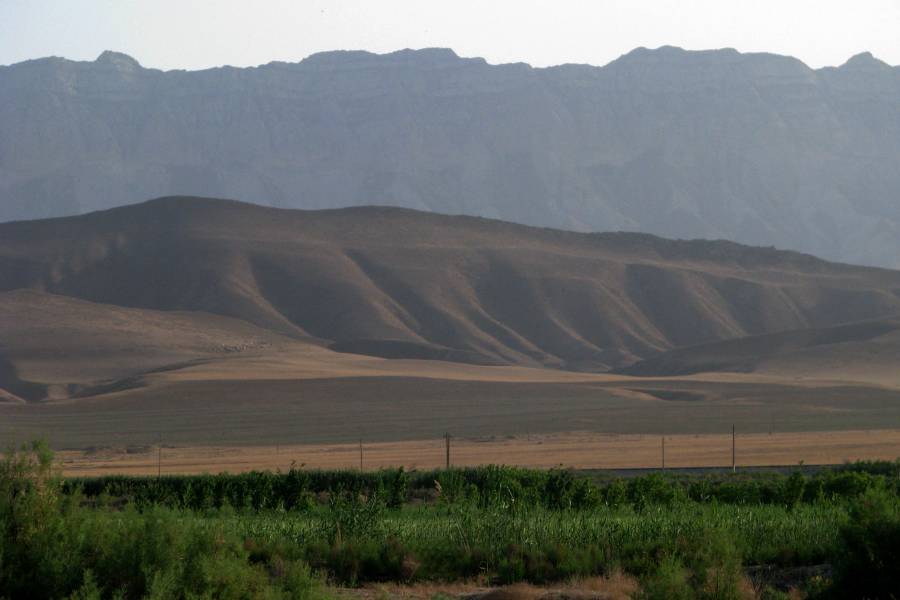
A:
{"x":755,"y":148}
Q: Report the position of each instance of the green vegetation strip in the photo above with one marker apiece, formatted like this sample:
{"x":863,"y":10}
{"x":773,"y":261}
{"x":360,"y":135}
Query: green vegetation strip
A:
{"x":291,"y":535}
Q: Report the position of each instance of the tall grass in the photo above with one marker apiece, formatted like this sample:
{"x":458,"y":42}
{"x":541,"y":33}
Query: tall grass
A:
{"x":610,"y":538}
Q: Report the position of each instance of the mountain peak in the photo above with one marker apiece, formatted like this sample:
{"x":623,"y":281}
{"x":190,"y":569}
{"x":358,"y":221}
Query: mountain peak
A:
{"x":678,"y":53}
{"x":864,"y":60}
{"x":118,"y":60}
{"x":426,"y":54}
{"x":428,"y":57}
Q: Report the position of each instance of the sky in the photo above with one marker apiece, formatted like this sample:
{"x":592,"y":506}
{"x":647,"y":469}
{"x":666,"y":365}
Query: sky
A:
{"x":196,"y":34}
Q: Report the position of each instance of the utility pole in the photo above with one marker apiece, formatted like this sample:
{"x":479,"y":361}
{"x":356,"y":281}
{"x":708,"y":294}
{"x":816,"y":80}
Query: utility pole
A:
{"x":733,"y":454}
{"x":159,"y":457}
{"x":447,"y":443}
{"x":664,"y":453}
{"x":360,"y":455}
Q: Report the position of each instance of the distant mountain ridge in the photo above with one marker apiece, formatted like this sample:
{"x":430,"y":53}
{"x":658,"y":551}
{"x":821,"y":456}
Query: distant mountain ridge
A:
{"x":400,"y":283}
{"x":756,"y":148}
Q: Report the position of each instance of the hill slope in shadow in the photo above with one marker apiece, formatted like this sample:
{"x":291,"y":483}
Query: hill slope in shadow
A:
{"x":865,"y":351}
{"x":400,"y":283}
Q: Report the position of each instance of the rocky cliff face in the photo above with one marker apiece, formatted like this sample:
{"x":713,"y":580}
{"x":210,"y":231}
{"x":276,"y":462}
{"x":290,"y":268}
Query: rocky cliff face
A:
{"x":756,"y":148}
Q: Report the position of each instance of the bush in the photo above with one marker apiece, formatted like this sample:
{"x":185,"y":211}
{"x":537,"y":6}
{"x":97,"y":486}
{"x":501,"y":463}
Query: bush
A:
{"x":867,"y":564}
{"x":793,"y":488}
{"x":652,"y":490}
{"x":353,"y":517}
{"x":715,"y":565}
{"x":615,"y":494}
{"x":395,"y":487}
{"x":51,"y":547}
{"x":704,"y":565}
{"x":669,"y":582}
{"x":38,"y":529}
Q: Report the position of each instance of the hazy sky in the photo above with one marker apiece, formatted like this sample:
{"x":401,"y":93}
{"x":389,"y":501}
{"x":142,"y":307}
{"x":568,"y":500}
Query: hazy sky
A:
{"x":196,"y":34}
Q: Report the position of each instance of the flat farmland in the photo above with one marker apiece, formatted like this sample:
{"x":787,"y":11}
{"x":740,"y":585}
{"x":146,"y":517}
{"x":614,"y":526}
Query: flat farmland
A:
{"x":595,"y":422}
{"x":387,"y":409}
{"x":580,"y":450}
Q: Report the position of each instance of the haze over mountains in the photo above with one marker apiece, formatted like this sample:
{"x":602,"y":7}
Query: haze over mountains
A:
{"x":97,"y":299}
{"x":756,"y":148}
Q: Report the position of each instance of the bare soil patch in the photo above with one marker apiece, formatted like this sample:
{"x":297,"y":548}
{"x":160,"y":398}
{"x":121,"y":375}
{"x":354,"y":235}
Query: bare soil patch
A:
{"x":614,"y":587}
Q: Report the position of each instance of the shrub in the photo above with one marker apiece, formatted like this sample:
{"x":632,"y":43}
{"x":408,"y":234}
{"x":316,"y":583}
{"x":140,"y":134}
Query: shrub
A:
{"x":792,"y":489}
{"x":651,"y":490}
{"x":353,"y":517}
{"x":395,"y":487}
{"x":615,"y":494}
{"x":669,"y":582}
{"x":37,"y":527}
{"x":51,"y":547}
{"x":867,"y":564}
{"x":704,"y":565}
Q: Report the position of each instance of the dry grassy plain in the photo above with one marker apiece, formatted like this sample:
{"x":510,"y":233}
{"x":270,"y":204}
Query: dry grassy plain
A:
{"x":580,"y":450}
{"x":212,"y":419}
{"x":389,"y":409}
